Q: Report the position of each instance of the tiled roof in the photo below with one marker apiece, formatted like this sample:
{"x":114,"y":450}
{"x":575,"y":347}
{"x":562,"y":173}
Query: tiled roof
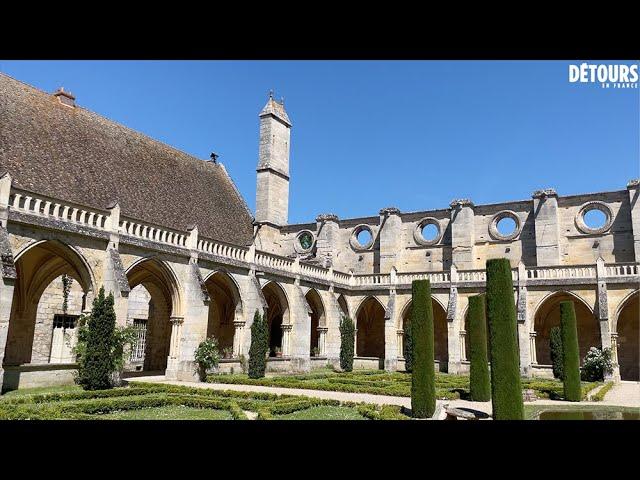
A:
{"x":73,"y":154}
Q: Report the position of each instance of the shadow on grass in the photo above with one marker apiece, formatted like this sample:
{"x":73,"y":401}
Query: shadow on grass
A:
{"x":464,"y":394}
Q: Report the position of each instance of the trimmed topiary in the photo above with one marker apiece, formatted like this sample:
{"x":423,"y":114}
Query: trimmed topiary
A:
{"x":506,"y":388}
{"x":407,"y":347}
{"x":571,"y":354}
{"x":347,"y":339}
{"x":259,"y":346}
{"x":423,"y":384}
{"x":97,"y":362}
{"x":479,"y":382}
{"x":555,"y":347}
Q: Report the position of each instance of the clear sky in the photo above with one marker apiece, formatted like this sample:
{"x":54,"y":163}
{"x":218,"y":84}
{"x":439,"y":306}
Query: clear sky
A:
{"x":367,"y":135}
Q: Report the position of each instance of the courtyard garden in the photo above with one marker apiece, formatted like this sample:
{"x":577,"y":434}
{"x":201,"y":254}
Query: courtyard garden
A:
{"x":145,"y":401}
{"x":448,"y":387}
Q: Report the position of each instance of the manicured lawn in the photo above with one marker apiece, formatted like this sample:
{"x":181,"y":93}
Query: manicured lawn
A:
{"x":386,"y":383}
{"x":40,"y":390}
{"x":170,"y":412}
{"x":323,"y":413}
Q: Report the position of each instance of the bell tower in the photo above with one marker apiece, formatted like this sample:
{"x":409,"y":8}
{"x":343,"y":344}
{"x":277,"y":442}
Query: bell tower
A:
{"x":272,"y":188}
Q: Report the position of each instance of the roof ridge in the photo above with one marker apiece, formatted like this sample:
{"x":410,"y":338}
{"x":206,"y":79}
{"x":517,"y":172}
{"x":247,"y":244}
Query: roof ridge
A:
{"x":114,"y":122}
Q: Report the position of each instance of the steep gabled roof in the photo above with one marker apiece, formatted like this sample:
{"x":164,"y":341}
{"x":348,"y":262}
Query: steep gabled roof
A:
{"x":73,"y":154}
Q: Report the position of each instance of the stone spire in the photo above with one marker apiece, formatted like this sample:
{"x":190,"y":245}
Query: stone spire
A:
{"x":276,"y":110}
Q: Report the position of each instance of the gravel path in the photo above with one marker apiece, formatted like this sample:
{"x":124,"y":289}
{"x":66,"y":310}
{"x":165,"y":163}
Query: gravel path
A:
{"x":625,"y":393}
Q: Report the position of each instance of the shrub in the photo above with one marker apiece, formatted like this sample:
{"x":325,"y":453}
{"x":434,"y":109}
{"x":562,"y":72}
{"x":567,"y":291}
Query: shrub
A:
{"x":570,"y":353}
{"x":555,"y":347}
{"x":259,"y":347}
{"x":347,"y":338}
{"x":506,"y":389}
{"x":207,"y":356}
{"x":407,"y":348}
{"x":97,"y":363}
{"x":423,"y":385}
{"x":596,"y":364}
{"x":479,"y":383}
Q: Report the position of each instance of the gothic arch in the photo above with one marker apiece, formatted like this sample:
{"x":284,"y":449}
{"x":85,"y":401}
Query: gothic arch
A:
{"x":277,"y":314}
{"x":344,"y":305}
{"x":628,"y":333}
{"x":440,"y":330}
{"x":225,"y":307}
{"x":38,"y":264}
{"x":154,"y":269}
{"x":370,"y":328}
{"x":547,"y":316}
{"x":318,"y":316}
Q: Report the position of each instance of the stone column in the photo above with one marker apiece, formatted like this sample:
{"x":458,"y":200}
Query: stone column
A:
{"x":174,"y":348}
{"x":332,"y":322}
{"x":390,"y":238}
{"x":462,"y":234}
{"x":523,"y":325}
{"x":400,"y":343}
{"x":286,"y":339}
{"x":7,"y":269}
{"x":634,"y":192}
{"x":300,"y":319}
{"x":391,"y":331}
{"x":614,"y":357}
{"x":6,"y":301}
{"x":602,"y":305}
{"x":322,"y":341}
{"x":545,"y":211}
{"x":463,"y":345}
{"x":238,"y":338}
{"x":454,"y":324}
{"x":532,"y":348}
{"x":355,"y":342}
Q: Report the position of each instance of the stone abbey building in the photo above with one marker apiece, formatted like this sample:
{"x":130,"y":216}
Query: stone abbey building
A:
{"x":86,"y":202}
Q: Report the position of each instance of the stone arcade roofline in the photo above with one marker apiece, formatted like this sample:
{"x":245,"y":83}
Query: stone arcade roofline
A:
{"x":33,"y":209}
{"x":293,"y":227}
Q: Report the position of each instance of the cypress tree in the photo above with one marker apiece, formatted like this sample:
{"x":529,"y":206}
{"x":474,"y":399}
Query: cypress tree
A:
{"x":407,"y":347}
{"x":555,"y":347}
{"x":423,"y":385}
{"x":506,"y":389}
{"x":571,"y":354}
{"x":347,"y":338}
{"x":259,"y":346}
{"x":480,"y":385}
{"x":97,"y":363}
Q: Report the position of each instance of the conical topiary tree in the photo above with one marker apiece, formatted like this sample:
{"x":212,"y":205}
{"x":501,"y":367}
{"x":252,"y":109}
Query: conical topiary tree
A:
{"x":347,"y":338}
{"x":97,"y":362}
{"x":570,"y":352}
{"x":423,"y":384}
{"x":555,"y":347}
{"x":259,"y":346}
{"x":506,"y":388}
{"x":479,"y":383}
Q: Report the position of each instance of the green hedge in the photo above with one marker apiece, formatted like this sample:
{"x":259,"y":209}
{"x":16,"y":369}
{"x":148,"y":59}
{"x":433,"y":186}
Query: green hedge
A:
{"x":598,"y":397}
{"x":479,"y":382}
{"x":570,"y":352}
{"x":506,"y":389}
{"x":423,"y":384}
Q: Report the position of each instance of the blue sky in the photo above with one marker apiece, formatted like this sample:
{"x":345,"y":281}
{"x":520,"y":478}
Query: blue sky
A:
{"x":371,"y":134}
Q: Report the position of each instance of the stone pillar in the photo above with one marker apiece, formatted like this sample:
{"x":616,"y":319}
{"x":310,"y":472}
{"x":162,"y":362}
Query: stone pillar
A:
{"x":634,"y":192}
{"x":614,"y":357}
{"x":523,"y":325}
{"x":355,"y":342}
{"x":238,"y":337}
{"x":532,"y":348}
{"x":7,"y":269}
{"x":6,"y":301}
{"x":390,"y":334}
{"x":463,"y":345}
{"x":322,"y":341}
{"x":602,"y":306}
{"x":400,"y":343}
{"x":545,"y":211}
{"x":390,"y":238}
{"x":332,"y":322}
{"x":5,"y":193}
{"x":253,"y":300}
{"x":286,"y":339}
{"x":300,"y":341}
{"x":174,"y":348}
{"x":327,"y":238}
{"x":454,"y":324}
{"x":462,"y":234}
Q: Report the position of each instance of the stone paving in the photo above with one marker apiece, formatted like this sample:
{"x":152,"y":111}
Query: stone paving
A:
{"x":625,"y":394}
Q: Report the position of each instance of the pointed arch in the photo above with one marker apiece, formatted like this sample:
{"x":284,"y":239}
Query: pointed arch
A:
{"x":547,"y":316}
{"x":440,"y":330}
{"x":39,"y":266}
{"x":344,"y":306}
{"x":318,"y":316}
{"x":152,"y":269}
{"x":626,"y":326}
{"x":370,"y":331}
{"x":225,"y":307}
{"x":277,"y":314}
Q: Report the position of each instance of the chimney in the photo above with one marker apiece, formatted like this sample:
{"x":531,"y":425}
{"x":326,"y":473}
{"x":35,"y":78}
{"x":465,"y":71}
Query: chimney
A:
{"x":65,"y":98}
